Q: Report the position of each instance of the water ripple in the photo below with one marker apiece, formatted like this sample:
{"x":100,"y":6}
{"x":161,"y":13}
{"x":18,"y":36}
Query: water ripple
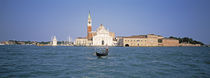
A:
{"x":122,"y":62}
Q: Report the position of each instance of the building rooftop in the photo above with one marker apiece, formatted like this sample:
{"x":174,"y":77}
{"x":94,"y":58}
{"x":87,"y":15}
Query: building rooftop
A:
{"x":137,"y":36}
{"x":170,"y":38}
{"x":144,"y":36}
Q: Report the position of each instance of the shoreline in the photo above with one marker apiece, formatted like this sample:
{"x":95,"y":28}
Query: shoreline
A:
{"x":99,"y":46}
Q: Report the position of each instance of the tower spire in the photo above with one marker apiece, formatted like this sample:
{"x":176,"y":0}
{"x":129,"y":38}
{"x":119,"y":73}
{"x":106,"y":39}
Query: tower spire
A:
{"x":89,"y":26}
{"x":89,"y":17}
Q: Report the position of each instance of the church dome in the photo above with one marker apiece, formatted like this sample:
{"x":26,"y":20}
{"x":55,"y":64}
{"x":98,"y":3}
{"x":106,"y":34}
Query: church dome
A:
{"x":101,"y":27}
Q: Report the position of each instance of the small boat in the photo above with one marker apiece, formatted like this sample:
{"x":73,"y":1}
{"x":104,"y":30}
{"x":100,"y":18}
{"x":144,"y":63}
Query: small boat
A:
{"x":103,"y":53}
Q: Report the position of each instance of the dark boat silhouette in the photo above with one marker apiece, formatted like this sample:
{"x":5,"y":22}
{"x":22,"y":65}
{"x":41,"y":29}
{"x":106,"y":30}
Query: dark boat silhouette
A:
{"x":103,"y":53}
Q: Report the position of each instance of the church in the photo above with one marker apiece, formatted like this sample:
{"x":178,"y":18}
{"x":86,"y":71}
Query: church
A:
{"x":100,"y":37}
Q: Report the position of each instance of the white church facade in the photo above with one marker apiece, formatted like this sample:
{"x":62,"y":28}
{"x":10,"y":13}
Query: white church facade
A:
{"x":100,"y":37}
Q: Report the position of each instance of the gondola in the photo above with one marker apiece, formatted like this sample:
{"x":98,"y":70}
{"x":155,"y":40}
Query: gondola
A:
{"x":102,"y":53}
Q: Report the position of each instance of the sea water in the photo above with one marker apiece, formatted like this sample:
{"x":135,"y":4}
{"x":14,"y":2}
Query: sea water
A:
{"x":18,"y":61}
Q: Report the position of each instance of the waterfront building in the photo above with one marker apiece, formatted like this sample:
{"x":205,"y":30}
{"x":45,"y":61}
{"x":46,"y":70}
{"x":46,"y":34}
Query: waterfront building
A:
{"x":54,"y":41}
{"x":149,"y":40}
{"x":100,"y":37}
{"x":81,"y":41}
{"x":141,"y":40}
{"x":168,"y":42}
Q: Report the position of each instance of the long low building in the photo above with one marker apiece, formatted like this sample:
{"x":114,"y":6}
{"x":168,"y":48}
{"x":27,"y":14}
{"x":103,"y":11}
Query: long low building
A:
{"x":149,"y":40}
{"x":168,"y":42}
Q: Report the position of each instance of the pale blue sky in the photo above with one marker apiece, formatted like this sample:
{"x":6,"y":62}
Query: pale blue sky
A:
{"x":38,"y":20}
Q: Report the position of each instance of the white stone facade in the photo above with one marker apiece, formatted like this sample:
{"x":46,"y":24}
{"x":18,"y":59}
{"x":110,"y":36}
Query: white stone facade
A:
{"x":81,"y":42}
{"x":102,"y":37}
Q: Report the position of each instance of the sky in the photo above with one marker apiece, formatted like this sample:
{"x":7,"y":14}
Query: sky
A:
{"x":39,"y":20}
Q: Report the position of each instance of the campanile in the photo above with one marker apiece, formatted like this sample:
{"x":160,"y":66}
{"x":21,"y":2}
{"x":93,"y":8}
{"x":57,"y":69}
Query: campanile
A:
{"x":89,"y":27}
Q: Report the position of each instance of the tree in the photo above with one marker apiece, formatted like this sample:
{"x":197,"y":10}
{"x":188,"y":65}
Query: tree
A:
{"x":187,"y":40}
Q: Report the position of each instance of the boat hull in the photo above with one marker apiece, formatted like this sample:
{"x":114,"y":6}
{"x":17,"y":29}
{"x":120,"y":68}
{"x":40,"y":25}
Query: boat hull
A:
{"x":101,"y":54}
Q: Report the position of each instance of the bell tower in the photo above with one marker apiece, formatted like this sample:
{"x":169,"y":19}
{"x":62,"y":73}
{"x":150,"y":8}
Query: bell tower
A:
{"x":89,"y":27}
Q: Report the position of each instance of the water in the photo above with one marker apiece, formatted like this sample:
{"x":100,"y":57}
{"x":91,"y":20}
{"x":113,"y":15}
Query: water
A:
{"x":122,"y":62}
